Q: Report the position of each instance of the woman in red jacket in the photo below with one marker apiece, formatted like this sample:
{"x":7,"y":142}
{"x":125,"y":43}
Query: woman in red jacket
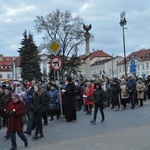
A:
{"x":15,"y":111}
{"x":88,"y":92}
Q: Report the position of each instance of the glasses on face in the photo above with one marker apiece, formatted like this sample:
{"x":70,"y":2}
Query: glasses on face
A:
{"x":14,"y":98}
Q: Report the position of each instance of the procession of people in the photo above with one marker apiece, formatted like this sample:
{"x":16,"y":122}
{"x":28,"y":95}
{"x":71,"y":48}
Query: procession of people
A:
{"x":46,"y":100}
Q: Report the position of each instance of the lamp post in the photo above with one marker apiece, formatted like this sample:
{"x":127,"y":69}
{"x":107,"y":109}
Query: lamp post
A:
{"x":123,"y":22}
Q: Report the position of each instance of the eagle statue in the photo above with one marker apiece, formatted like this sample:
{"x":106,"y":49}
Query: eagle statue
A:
{"x":87,"y":28}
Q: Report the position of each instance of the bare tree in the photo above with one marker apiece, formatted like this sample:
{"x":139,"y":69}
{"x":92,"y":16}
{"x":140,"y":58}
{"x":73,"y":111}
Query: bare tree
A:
{"x":63,"y":27}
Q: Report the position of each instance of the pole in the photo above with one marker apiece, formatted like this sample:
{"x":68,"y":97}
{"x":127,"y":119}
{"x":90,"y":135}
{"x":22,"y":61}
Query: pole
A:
{"x":60,"y":95}
{"x":124,"y":48}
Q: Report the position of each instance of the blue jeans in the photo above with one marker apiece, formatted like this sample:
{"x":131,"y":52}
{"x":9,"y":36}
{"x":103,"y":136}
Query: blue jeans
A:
{"x":30,"y":122}
{"x":132,"y":99}
{"x":13,"y":138}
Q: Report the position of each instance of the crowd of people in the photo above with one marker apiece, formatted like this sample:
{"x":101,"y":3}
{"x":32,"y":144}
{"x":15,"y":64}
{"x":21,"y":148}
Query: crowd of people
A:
{"x":45,"y":101}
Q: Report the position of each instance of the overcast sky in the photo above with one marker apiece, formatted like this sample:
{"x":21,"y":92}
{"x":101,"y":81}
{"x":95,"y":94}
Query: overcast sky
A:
{"x":104,"y":15}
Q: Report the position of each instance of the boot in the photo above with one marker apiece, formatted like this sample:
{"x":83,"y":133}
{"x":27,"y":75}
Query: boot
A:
{"x":7,"y":135}
{"x":41,"y":134}
{"x":35,"y":137}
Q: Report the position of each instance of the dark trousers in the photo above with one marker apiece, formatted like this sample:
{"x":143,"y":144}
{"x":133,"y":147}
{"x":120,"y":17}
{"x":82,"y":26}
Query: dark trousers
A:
{"x":37,"y":121}
{"x":44,"y":116}
{"x":30,"y":122}
{"x":54,"y":112}
{"x":101,"y":111}
{"x":132,"y":99}
{"x":13,"y":138}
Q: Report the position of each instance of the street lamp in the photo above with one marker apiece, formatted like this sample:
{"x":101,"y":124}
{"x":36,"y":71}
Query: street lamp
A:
{"x":123,"y":22}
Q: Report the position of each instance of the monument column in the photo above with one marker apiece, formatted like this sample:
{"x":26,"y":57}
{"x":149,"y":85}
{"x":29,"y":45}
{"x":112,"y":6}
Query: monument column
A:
{"x":87,"y":49}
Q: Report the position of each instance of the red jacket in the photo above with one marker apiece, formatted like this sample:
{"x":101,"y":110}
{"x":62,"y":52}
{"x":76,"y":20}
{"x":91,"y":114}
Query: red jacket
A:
{"x":89,"y":94}
{"x":14,"y":121}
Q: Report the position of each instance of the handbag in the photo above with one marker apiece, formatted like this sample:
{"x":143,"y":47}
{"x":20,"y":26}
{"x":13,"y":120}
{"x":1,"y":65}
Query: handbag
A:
{"x":24,"y":119}
{"x":91,"y":98}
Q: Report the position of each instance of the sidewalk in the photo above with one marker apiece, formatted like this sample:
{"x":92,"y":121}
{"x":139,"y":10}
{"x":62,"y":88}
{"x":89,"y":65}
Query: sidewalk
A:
{"x":136,"y":138}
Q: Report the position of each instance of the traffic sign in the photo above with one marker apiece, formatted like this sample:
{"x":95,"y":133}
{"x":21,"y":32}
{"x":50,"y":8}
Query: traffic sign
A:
{"x":56,"y":63}
{"x":54,"y":47}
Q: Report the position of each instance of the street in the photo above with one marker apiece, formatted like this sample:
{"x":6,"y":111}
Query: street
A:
{"x":123,"y":129}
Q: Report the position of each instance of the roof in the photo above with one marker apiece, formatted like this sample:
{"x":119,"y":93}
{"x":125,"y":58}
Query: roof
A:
{"x":142,"y":55}
{"x":98,"y":53}
{"x":5,"y":63}
{"x":17,"y":61}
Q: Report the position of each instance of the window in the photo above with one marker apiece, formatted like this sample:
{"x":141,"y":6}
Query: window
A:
{"x":119,"y":69}
{"x":138,"y":67}
{"x":44,"y":71}
{"x":147,"y":65}
{"x":1,"y":75}
{"x":142,"y":66}
{"x":8,"y":75}
{"x":123,"y":69}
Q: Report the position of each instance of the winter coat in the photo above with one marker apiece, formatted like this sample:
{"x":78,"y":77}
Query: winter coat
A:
{"x":46,"y":99}
{"x":69,"y":102}
{"x":54,"y":99}
{"x":14,"y":121}
{"x":37,"y":103}
{"x":124,"y":92}
{"x":88,"y":91}
{"x":115,"y":91}
{"x":131,"y":86}
{"x":140,"y":90}
{"x":99,"y":96}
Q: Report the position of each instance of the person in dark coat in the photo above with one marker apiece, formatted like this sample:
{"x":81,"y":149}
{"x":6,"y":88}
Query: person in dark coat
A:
{"x":15,"y":110}
{"x":37,"y":105}
{"x":131,"y":88}
{"x":46,"y":99}
{"x":69,"y":101}
{"x":1,"y":107}
{"x":6,"y":99}
{"x":54,"y":102}
{"x":29,"y":110}
{"x":115,"y":88}
{"x":99,"y":98}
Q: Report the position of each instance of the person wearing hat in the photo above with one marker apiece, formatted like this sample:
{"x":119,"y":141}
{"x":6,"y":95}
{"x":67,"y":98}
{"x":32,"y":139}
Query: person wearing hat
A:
{"x":115,"y":88}
{"x":54,"y":102}
{"x":14,"y":112}
{"x":6,"y":99}
{"x":69,"y":101}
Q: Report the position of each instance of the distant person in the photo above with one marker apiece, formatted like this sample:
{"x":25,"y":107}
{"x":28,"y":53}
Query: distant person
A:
{"x":69,"y":101}
{"x":140,"y":86}
{"x":99,"y":98}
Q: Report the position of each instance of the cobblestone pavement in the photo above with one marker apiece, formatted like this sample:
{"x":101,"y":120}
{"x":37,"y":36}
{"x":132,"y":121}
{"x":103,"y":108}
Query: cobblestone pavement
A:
{"x":122,"y":125}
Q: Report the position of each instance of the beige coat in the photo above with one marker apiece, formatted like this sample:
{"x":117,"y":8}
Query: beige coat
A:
{"x":124,"y":92}
{"x":140,"y":90}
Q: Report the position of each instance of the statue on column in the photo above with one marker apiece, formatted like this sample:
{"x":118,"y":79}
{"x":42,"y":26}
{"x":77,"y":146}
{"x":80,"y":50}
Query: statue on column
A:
{"x":87,"y":28}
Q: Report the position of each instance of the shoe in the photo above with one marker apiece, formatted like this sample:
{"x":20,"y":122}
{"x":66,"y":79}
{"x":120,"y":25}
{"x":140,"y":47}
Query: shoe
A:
{"x":102,"y":121}
{"x":58,"y":117}
{"x":26,"y":144}
{"x":13,"y":148}
{"x":27,"y":132}
{"x":35,"y":136}
{"x":92,"y":121}
{"x":41,"y":134}
{"x":45,"y":124}
{"x":132,"y":107}
{"x":7,"y":136}
{"x":51,"y":119}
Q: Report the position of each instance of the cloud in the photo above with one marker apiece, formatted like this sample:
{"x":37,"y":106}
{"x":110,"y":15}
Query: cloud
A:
{"x":104,"y":15}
